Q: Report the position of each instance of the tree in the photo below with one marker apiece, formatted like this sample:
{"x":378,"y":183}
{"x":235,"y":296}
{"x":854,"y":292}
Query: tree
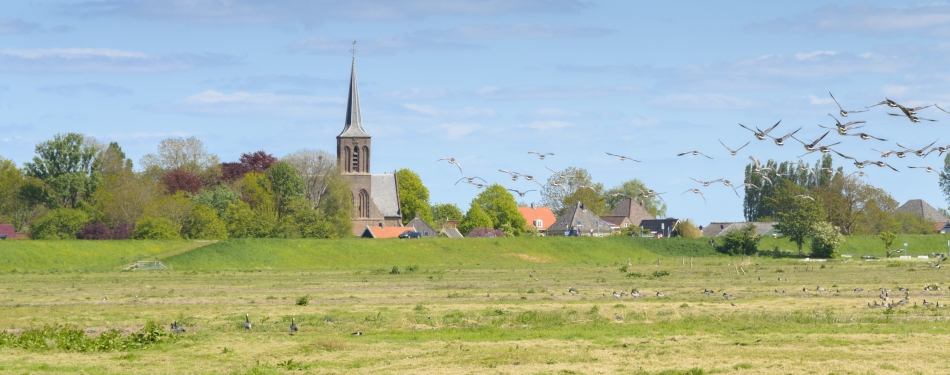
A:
{"x":188,"y":154}
{"x":14,"y":207}
{"x":496,"y":202}
{"x":179,"y":179}
{"x":474,"y":218}
{"x":909,"y":223}
{"x":413,"y":196}
{"x":739,"y":242}
{"x":217,"y":198}
{"x":443,"y":212}
{"x":686,"y":229}
{"x":176,"y":208}
{"x":945,"y":177}
{"x":68,"y":168}
{"x":258,"y":161}
{"x":888,"y":239}
{"x":794,"y":213}
{"x":317,"y":168}
{"x":631,"y":189}
{"x":286,"y":184}
{"x":113,"y":160}
{"x":204,"y":223}
{"x":151,"y":228}
{"x":244,"y":222}
{"x":59,"y":224}
{"x":825,"y":240}
{"x":575,"y":186}
{"x":336,"y":208}
{"x":756,"y":204}
{"x":125,"y":196}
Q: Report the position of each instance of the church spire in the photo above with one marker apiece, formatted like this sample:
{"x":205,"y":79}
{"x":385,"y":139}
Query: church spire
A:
{"x":353,"y":126}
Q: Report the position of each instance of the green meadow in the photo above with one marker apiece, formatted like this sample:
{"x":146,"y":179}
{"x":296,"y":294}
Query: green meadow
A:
{"x":476,"y":306}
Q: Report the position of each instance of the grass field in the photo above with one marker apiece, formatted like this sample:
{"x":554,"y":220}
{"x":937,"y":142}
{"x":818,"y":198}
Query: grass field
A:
{"x":501,"y":307}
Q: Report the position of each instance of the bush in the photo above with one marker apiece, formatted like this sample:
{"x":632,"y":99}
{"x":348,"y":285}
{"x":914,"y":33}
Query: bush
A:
{"x":100,"y":231}
{"x":303,"y":301}
{"x":59,"y":224}
{"x":687,"y":229}
{"x":485,"y":232}
{"x":825,"y":240}
{"x":204,"y":223}
{"x":739,"y":242}
{"x":150,"y":228}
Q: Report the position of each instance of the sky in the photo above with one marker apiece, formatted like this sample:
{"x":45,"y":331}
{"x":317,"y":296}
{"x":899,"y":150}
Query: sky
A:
{"x":486,"y":81}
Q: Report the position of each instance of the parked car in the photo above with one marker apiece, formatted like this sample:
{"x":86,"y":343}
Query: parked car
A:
{"x":410,"y":234}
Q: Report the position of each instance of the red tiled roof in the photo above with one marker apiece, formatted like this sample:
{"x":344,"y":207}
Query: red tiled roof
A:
{"x":385,"y":232}
{"x":543,"y":213}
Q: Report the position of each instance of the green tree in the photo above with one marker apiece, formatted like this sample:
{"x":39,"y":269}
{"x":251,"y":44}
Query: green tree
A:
{"x":739,"y":242}
{"x":474,"y":218}
{"x":686,"y":229}
{"x":317,"y":167}
{"x":888,"y":239}
{"x":188,"y":154}
{"x":204,"y":223}
{"x":336,"y":209}
{"x":443,"y":212}
{"x":14,"y":207}
{"x":413,"y":197}
{"x":68,"y":168}
{"x":825,"y":240}
{"x":176,"y":208}
{"x":125,"y":196}
{"x":152,"y":228}
{"x":944,"y":178}
{"x":113,"y":160}
{"x":286,"y":185}
{"x":909,"y":223}
{"x":496,"y":202}
{"x":794,"y":213}
{"x":631,"y":189}
{"x":59,"y":224}
{"x":217,"y":198}
{"x":245,"y":222}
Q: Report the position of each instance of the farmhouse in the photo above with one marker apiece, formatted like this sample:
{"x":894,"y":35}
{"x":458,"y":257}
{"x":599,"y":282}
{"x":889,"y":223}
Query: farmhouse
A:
{"x":375,"y":196}
{"x":633,"y":211}
{"x":539,"y":217}
{"x":577,"y":220}
{"x":920,"y":208}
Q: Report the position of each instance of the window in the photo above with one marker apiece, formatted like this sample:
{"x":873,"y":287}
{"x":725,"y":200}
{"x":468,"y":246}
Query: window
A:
{"x":356,"y":160}
{"x":362,"y":204}
{"x":538,"y":223}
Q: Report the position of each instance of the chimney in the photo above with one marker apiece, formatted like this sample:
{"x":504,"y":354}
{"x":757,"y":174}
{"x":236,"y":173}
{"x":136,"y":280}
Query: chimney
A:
{"x":532,"y":205}
{"x":582,"y":206}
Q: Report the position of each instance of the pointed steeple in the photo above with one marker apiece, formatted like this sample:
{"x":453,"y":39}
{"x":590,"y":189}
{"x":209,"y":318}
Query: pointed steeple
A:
{"x":353,"y":126}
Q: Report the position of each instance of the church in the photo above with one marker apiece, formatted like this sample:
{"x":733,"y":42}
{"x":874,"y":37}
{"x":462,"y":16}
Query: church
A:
{"x":375,"y":196}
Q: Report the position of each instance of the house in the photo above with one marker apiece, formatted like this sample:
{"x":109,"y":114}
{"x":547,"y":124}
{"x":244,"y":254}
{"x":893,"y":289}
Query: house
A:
{"x":382,"y":232}
{"x":616,"y":222}
{"x":539,"y":217}
{"x":577,"y":220}
{"x":921,"y":209}
{"x":660,"y":227}
{"x":724,"y":228}
{"x":632,"y":210}
{"x":421,"y":226}
{"x":375,"y":196}
{"x":8,"y":233}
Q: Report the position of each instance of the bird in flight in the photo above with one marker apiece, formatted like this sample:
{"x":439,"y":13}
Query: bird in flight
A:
{"x":622,"y":158}
{"x":453,"y":161}
{"x":926,"y":169}
{"x":694,"y":153}
{"x":910,"y":115}
{"x":938,"y":107}
{"x":758,"y":167}
{"x":731,"y":151}
{"x":866,"y":136}
{"x":811,"y":147}
{"x":843,"y":128}
{"x":920,"y":152}
{"x":651,"y":193}
{"x":520,"y":193}
{"x":890,"y":103}
{"x":470,"y":180}
{"x":843,"y":112}
{"x":759,"y":133}
{"x":803,"y":196}
{"x":540,"y":155}
{"x":781,"y":140}
{"x":514,"y":175}
{"x":707,"y":183}
{"x":697,"y":191}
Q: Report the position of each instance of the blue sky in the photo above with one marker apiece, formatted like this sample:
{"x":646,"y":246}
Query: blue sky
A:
{"x":486,"y":81}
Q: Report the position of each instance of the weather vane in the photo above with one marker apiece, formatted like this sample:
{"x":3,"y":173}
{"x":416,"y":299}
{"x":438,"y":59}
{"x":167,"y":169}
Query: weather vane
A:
{"x":353,"y":50}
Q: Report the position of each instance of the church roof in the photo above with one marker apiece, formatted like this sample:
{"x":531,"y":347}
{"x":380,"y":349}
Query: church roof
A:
{"x":353,"y":126}
{"x":384,"y":194}
{"x":921,"y":209}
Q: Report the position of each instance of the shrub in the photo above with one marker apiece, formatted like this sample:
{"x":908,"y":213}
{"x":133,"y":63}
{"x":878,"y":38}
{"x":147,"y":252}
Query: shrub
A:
{"x":100,"y":231}
{"x":303,"y":301}
{"x":687,"y":229}
{"x":59,"y":224}
{"x":825,"y":240}
{"x":485,"y":232}
{"x":739,"y":242}
{"x":149,"y":228}
{"x":203,"y":222}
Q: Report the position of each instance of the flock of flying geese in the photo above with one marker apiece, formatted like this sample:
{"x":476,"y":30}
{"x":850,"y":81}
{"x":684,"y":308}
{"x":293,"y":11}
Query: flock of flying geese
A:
{"x":844,"y":129}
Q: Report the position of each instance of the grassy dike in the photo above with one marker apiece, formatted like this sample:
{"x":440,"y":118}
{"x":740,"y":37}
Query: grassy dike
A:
{"x":81,"y":255}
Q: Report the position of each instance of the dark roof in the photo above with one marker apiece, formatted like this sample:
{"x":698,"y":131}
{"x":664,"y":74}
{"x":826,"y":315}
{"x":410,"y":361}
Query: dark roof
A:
{"x":385,"y":194}
{"x":579,"y":218}
{"x":354,"y":125}
{"x":723,"y":228}
{"x":921,"y":209}
{"x":615,"y":220}
{"x":659,"y":225}
{"x":422,"y":227}
{"x":632,"y":210}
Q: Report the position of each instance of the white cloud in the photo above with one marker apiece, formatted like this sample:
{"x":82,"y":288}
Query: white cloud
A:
{"x":103,"y":60}
{"x":214,"y":103}
{"x":702,"y":102}
{"x":553,"y":92}
{"x":416,"y":93}
{"x":76,"y":89}
{"x":811,"y":55}
{"x":816,"y":100}
{"x":519,"y":30}
{"x":466,"y":112}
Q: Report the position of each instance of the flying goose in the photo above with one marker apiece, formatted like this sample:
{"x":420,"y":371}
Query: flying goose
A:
{"x":470,"y":180}
{"x":540,"y":155}
{"x":920,"y":152}
{"x":514,"y":175}
{"x":759,"y":133}
{"x":707,"y":183}
{"x":843,"y":128}
{"x":865,"y":136}
{"x":622,"y":158}
{"x":758,"y":167}
{"x":907,"y":113}
{"x":453,"y":161}
{"x":520,"y":193}
{"x":651,"y":193}
{"x":781,"y":140}
{"x":843,"y":112}
{"x":694,"y":153}
{"x":697,"y":191}
{"x":810,"y":147}
{"x":731,"y":151}
{"x":890,"y":103}
{"x":803,"y":196}
{"x":927,"y":169}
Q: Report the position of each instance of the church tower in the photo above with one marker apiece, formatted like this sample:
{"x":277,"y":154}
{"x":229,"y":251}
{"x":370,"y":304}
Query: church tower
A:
{"x":375,"y":196}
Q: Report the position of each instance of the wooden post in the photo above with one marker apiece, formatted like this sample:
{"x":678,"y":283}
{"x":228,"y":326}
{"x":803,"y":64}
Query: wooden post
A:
{"x":684,"y":261}
{"x":658,"y":262}
{"x":690,"y":262}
